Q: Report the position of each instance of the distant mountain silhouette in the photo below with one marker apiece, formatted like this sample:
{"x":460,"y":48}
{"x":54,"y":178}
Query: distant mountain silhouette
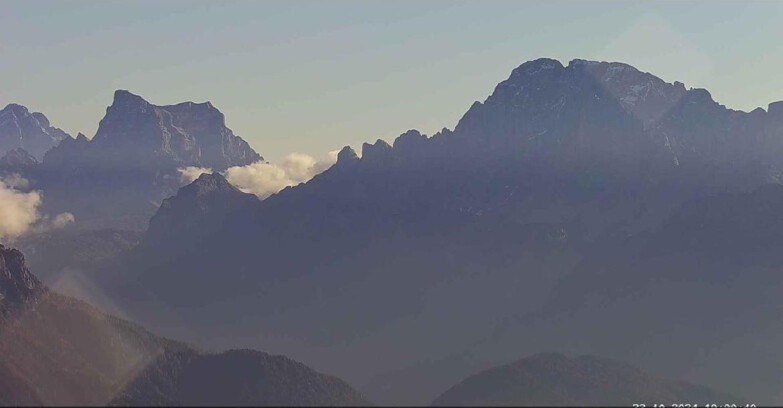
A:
{"x":449,"y":245}
{"x":196,"y":210}
{"x":711,"y":240}
{"x":553,"y":379}
{"x":117,"y":179}
{"x":55,"y":350}
{"x":21,"y":129}
{"x":137,"y":134}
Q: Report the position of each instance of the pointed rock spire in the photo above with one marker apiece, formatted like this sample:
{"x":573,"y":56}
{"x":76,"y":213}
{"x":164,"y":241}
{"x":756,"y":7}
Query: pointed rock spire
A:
{"x":347,"y":155}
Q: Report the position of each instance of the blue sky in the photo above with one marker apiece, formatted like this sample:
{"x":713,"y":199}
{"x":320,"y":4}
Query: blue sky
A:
{"x":311,"y":77}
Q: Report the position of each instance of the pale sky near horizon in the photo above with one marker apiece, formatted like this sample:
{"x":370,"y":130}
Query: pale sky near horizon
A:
{"x":314,"y":76}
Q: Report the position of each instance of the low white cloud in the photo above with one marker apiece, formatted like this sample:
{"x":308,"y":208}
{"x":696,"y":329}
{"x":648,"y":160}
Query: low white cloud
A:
{"x":260,"y":178}
{"x":264,"y":179}
{"x":189,"y":174}
{"x":19,"y":210}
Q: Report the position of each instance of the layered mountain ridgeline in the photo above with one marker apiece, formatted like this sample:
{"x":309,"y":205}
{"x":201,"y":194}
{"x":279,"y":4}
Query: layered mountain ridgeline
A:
{"x":119,"y":177}
{"x":55,"y":350}
{"x":434,"y":246}
{"x":552,"y":379}
{"x":21,"y":129}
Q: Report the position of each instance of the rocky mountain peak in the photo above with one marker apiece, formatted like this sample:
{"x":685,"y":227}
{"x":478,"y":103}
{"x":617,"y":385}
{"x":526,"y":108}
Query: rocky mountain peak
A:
{"x":543,"y":107}
{"x":140,"y":146}
{"x":644,"y":95}
{"x":347,"y":155}
{"x":699,"y":95}
{"x":188,"y":133}
{"x":43,"y":120}
{"x":126,"y":99}
{"x":206,"y":184}
{"x":17,"y":284}
{"x":31,"y":131}
{"x":14,"y":109}
{"x":378,"y":151}
{"x":535,"y":67}
{"x":410,"y":140}
{"x":196,"y":209}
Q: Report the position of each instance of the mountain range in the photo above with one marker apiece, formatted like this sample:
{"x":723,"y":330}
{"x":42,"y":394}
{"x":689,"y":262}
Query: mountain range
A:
{"x":589,"y":208}
{"x":21,"y":129}
{"x":448,"y":248}
{"x":118,"y":178}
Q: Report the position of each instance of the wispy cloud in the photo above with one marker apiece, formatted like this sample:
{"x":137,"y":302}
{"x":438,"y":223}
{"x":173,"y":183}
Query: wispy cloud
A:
{"x":264,"y":179}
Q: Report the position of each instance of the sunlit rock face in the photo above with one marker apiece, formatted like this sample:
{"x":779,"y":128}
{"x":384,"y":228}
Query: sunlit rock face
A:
{"x":19,"y":128}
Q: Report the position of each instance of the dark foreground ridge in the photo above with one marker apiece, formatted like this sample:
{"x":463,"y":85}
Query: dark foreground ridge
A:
{"x":55,"y":350}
